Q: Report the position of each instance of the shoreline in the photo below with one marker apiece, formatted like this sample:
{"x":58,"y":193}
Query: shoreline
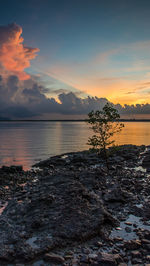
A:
{"x":71,"y":211}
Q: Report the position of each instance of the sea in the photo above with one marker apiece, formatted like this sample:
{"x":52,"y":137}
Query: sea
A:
{"x":27,"y":142}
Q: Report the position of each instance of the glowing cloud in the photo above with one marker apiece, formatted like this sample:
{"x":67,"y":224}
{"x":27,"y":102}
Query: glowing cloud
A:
{"x":14,"y":55}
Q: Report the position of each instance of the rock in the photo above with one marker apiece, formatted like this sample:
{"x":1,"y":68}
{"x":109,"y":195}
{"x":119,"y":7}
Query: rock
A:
{"x":128,"y":223}
{"x":145,"y":241}
{"x":148,"y":257}
{"x":147,"y":235}
{"x":118,"y":258}
{"x":79,"y":158}
{"x":69,"y":252}
{"x":12,"y":169}
{"x":117,"y":195}
{"x":99,"y":244}
{"x":51,"y":162}
{"x":136,"y":254}
{"x":147,"y":246}
{"x":84,"y":259}
{"x":116,"y":159}
{"x":107,"y":259}
{"x":68,"y":257}
{"x":74,"y":202}
{"x":74,"y":262}
{"x":50,"y":257}
{"x":137,"y":261}
{"x":93,"y":256}
{"x":58,"y":207}
{"x":128,"y":229}
{"x":132,"y":244}
{"x":146,"y":160}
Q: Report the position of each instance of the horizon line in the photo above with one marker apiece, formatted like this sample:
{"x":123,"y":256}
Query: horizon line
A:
{"x":67,"y":120}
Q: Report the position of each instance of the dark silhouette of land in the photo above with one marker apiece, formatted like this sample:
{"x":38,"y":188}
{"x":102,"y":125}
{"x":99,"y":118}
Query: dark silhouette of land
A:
{"x":66,"y":120}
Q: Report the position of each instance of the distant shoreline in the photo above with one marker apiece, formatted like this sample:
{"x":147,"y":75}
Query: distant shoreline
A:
{"x":77,"y":120}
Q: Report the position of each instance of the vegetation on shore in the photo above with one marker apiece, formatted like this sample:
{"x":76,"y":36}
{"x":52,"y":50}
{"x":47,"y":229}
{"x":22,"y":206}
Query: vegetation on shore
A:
{"x":105,"y":124}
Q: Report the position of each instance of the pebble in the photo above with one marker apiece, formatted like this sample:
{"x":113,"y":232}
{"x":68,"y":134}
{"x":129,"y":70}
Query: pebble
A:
{"x":128,"y":229}
{"x":54,"y":258}
{"x":93,"y":256}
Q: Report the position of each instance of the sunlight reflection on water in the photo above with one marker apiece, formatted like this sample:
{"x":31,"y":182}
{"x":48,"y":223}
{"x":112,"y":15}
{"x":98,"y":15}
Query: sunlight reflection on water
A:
{"x":26,"y":142}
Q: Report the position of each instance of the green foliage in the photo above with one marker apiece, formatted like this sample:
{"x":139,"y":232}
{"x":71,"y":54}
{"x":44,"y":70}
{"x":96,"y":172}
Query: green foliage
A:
{"x":105,"y":124}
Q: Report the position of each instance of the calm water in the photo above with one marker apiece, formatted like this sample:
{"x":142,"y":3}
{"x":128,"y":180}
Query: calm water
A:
{"x":27,"y":142}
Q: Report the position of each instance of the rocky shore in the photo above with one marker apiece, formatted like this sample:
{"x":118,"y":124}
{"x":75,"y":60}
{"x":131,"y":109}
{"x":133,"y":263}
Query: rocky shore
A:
{"x":70,"y":210}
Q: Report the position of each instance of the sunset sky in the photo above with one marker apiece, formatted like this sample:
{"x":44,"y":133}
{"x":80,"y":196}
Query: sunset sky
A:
{"x":87,"y":47}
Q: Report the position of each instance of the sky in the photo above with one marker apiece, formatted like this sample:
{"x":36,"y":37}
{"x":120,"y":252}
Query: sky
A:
{"x":60,"y":58}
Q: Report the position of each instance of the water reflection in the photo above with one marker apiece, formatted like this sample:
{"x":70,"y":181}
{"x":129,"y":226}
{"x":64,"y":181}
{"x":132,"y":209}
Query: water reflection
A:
{"x":24,"y":142}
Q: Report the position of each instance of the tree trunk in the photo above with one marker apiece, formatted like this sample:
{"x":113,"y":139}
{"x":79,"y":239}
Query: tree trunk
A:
{"x":106,"y":158}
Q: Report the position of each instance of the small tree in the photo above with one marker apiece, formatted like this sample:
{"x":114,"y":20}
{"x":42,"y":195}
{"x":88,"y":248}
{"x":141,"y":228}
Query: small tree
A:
{"x":105,"y":124}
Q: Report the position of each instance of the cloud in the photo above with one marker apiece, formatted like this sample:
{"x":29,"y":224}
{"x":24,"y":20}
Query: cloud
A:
{"x":130,"y":92}
{"x":18,"y":101}
{"x":14,"y":55}
{"x":26,"y":100}
{"x":108,"y":71}
{"x":22,"y":96}
{"x":138,"y":109}
{"x":58,"y":91}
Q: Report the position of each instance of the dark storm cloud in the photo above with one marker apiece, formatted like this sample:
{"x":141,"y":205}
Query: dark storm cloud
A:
{"x":18,"y":101}
{"x":137,"y":109}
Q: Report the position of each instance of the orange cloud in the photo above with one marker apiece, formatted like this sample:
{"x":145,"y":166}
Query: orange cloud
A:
{"x":14,"y":56}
